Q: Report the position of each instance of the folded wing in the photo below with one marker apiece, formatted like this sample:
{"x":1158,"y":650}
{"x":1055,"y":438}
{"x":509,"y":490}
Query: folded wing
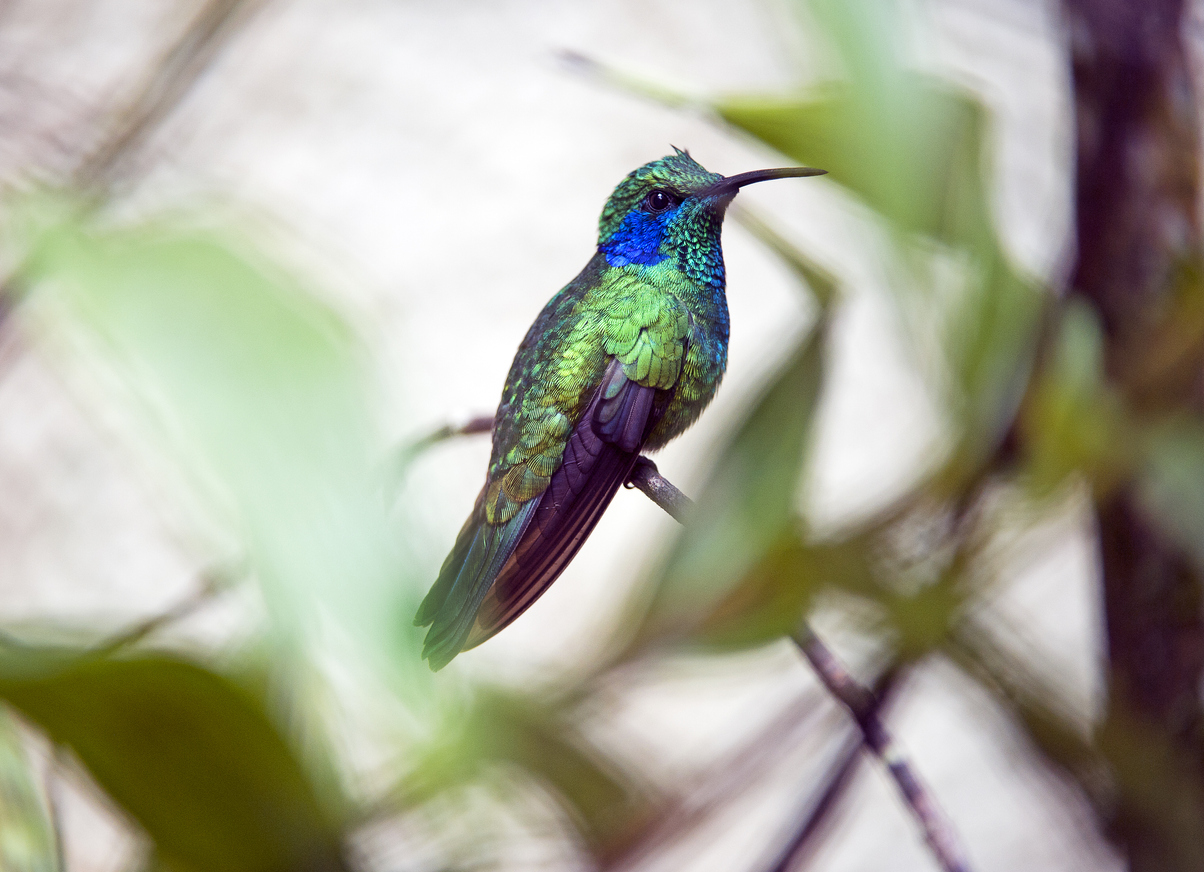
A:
{"x":495,"y":573}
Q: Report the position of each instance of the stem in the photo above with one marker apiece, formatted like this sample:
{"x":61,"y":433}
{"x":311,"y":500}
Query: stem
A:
{"x":834,"y":784}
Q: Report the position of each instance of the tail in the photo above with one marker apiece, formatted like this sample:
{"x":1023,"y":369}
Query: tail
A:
{"x":451,"y":606}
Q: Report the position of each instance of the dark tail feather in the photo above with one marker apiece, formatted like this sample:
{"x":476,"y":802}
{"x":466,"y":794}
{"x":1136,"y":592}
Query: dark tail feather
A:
{"x":435,"y":597}
{"x":451,"y":606}
{"x":552,"y":540}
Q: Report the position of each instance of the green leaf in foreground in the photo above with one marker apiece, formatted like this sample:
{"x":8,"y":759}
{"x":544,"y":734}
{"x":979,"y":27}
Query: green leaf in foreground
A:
{"x":189,"y":754}
{"x":262,"y":394}
{"x":534,"y":735}
{"x":26,"y":841}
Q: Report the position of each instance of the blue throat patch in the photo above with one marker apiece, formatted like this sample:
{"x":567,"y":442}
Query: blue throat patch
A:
{"x":638,"y":240}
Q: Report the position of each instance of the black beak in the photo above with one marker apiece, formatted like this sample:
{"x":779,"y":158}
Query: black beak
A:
{"x":728,"y":187}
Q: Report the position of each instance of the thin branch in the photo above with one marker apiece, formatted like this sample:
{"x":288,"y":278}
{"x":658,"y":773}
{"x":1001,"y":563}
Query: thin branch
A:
{"x":859,"y":700}
{"x":212,"y":582}
{"x":938,"y":831}
{"x":399,"y":465}
{"x":647,"y":479}
{"x":834,"y":785}
{"x":473,"y":426}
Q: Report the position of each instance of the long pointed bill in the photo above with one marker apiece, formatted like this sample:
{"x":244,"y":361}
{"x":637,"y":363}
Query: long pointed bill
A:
{"x":730,"y":185}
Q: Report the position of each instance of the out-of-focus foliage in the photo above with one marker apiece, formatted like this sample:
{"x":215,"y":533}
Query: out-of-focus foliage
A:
{"x":914,"y":150}
{"x":26,"y":843}
{"x":189,"y":753}
{"x":746,"y":508}
{"x":534,"y":736}
{"x":262,"y":394}
{"x":1073,"y":421}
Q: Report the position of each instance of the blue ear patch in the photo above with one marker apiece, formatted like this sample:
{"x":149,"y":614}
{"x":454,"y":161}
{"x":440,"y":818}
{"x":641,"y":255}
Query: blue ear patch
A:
{"x":638,"y":240}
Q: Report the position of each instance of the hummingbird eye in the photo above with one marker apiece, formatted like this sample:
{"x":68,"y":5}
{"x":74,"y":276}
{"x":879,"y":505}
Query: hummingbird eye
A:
{"x":658,"y":201}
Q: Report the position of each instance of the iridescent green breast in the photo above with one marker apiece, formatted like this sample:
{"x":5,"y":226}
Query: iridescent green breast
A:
{"x":642,"y":316}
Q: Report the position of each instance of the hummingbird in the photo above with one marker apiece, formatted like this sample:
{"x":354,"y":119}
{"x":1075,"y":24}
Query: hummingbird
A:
{"x":623,"y":359}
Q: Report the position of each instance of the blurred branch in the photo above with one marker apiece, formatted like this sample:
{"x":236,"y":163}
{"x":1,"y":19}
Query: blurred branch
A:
{"x":1139,"y":259}
{"x":471,"y":427}
{"x":164,"y":86}
{"x":212,"y":582}
{"x":861,"y":702}
{"x":716,"y":790}
{"x":833,"y":786}
{"x":630,"y":83}
{"x":863,"y":706}
{"x":821,"y":282}
{"x":399,"y":465}
{"x":1026,"y":697}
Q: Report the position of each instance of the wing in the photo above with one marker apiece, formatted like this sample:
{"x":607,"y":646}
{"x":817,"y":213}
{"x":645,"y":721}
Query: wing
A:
{"x":599,"y":458}
{"x":495,"y":571}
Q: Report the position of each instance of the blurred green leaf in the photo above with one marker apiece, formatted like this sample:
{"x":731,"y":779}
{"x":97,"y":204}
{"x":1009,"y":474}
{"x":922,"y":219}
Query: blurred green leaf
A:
{"x":264,"y":396}
{"x":910,"y":146}
{"x":1170,"y":483}
{"x":990,"y":339}
{"x":26,"y":840}
{"x":1072,"y":421}
{"x":777,"y":592}
{"x":913,"y":149}
{"x":924,"y":618}
{"x":535,"y":736}
{"x":748,"y":505}
{"x":912,"y":154}
{"x":189,"y":754}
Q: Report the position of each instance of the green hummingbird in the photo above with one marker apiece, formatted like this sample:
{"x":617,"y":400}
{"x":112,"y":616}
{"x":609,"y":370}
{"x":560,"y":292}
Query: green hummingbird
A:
{"x":624,"y":358}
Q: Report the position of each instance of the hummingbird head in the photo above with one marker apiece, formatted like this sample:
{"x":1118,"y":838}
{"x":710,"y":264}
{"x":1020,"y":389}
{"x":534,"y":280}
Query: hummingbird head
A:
{"x":673,"y":207}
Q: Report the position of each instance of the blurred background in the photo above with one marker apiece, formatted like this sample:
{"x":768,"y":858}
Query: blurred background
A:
{"x":261,"y":258}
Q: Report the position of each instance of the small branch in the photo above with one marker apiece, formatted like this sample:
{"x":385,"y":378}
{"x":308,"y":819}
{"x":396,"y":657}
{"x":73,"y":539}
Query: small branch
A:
{"x":862,"y":705}
{"x":835,"y":783}
{"x":212,"y":582}
{"x":473,"y":426}
{"x":164,"y":88}
{"x":647,"y":479}
{"x":861,"y":702}
{"x":399,"y":464}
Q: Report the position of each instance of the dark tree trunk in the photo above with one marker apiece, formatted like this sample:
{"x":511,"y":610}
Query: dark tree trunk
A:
{"x":1138,"y":261}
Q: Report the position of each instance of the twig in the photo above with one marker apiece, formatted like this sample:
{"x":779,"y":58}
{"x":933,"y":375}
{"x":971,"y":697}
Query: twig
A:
{"x":647,"y":479}
{"x":399,"y":465}
{"x":479,"y":424}
{"x":835,"y":783}
{"x":859,"y":700}
{"x":212,"y":582}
